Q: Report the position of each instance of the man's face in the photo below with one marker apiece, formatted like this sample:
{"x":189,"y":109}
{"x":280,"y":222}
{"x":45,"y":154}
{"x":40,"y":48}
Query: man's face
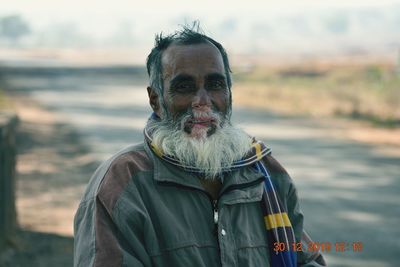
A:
{"x":195,"y":87}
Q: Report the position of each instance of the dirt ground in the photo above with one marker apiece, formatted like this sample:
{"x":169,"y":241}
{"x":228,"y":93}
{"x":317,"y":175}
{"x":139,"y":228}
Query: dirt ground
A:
{"x":52,"y":170}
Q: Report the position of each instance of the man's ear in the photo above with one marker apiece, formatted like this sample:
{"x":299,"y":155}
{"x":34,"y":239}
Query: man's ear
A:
{"x":153,"y":100}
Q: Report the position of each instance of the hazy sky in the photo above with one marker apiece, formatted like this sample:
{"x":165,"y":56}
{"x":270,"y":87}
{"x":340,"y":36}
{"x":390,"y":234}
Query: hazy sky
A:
{"x":104,"y":12}
{"x":250,"y":25}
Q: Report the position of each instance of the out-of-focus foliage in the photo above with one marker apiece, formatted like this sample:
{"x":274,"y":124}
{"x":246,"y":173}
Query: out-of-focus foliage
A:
{"x":13,"y":27}
{"x":367,"y":92}
{"x":5,"y":102}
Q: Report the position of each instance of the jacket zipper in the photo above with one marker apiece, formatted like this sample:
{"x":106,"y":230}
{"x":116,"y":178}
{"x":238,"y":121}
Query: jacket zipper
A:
{"x":215,"y":209}
{"x":215,"y":206}
{"x":230,"y":188}
{"x":214,"y":202}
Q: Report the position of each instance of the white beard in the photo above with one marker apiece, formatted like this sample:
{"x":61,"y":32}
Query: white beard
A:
{"x":210,"y":154}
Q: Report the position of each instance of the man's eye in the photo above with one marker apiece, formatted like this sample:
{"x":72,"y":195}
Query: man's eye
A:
{"x":216,"y":85}
{"x":183,"y":87}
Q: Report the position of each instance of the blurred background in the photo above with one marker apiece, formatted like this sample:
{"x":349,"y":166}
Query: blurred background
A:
{"x":318,"y":81}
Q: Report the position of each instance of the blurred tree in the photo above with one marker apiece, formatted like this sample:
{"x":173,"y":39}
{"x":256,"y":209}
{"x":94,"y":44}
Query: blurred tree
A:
{"x":13,"y":27}
{"x":337,"y":23}
{"x":398,"y":62}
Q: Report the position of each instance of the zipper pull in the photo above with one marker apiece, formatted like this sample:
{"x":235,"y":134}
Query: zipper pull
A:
{"x":215,"y":204}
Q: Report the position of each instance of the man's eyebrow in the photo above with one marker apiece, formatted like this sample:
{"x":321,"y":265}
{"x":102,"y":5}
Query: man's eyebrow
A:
{"x":181,"y":78}
{"x":215,"y":76}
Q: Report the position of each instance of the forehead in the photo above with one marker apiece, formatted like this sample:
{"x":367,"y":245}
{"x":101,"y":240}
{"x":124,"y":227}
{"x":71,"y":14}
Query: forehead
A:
{"x":196,"y":59}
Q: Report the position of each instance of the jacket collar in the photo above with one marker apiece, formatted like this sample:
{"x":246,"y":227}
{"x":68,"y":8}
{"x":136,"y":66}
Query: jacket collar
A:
{"x":169,"y":173}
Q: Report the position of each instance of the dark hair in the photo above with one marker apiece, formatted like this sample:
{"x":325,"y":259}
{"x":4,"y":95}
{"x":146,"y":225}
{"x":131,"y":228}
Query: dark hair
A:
{"x":186,"y":36}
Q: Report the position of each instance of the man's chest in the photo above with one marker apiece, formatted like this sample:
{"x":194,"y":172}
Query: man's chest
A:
{"x":192,"y":229}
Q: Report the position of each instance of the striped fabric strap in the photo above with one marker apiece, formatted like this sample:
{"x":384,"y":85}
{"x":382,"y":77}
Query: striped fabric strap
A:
{"x":277,"y":223}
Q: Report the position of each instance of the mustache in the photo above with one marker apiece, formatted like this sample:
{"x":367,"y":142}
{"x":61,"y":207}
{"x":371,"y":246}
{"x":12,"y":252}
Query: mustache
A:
{"x":177,"y":122}
{"x":194,"y":116}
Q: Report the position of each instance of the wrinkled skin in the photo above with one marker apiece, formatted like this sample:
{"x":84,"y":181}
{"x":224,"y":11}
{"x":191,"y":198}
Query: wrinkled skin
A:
{"x":195,"y":88}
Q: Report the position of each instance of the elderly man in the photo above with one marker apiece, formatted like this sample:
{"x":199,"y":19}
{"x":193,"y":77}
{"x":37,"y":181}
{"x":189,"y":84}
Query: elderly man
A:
{"x":199,"y":191}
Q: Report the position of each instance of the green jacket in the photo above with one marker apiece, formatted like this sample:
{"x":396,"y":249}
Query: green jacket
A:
{"x":141,"y":211}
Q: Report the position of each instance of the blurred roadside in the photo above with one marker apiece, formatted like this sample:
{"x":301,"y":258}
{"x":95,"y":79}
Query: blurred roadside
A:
{"x":358,"y":100}
{"x":53,"y":168}
{"x":368,"y":91}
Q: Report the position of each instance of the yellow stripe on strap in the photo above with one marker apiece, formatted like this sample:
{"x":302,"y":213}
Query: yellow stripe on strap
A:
{"x":155,"y":149}
{"x":258,"y":150}
{"x":277,"y":220}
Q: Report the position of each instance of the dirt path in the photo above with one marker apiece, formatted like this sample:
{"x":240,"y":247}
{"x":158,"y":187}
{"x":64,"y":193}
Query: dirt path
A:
{"x":53,"y":168}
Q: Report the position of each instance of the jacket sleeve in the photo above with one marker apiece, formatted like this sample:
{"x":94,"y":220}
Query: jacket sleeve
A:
{"x":111,"y":222}
{"x":100,"y":241}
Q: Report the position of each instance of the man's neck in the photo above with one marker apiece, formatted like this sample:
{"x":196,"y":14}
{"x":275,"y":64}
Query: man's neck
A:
{"x":212,"y":186}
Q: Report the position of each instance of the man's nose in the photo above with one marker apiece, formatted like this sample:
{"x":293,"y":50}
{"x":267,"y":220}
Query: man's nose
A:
{"x":201,"y":99}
